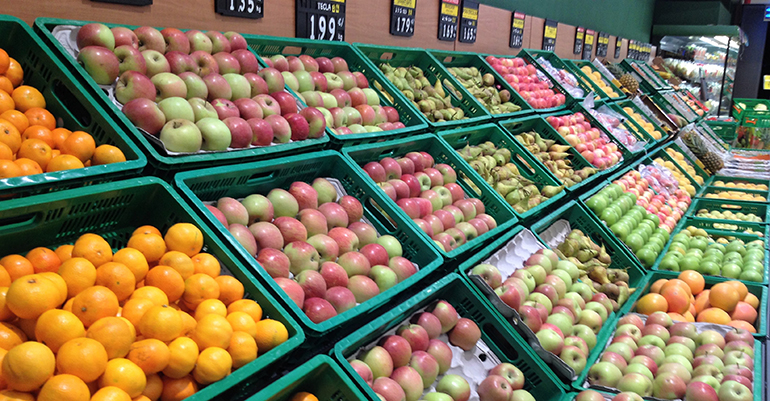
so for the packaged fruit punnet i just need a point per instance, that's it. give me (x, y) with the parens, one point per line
(133, 294)
(307, 226)
(444, 340)
(618, 128)
(568, 81)
(656, 356)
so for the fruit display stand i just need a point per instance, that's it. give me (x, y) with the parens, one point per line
(538, 124)
(724, 132)
(758, 209)
(577, 68)
(530, 168)
(77, 110)
(665, 105)
(649, 80)
(682, 108)
(688, 159)
(641, 130)
(651, 113)
(441, 152)
(533, 56)
(742, 105)
(500, 343)
(161, 163)
(396, 57)
(321, 376)
(114, 211)
(242, 180)
(267, 46)
(623, 125)
(662, 154)
(473, 60)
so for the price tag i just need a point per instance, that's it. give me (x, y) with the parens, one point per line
(631, 49)
(588, 48)
(402, 17)
(579, 35)
(602, 43)
(240, 8)
(127, 2)
(618, 46)
(517, 30)
(321, 19)
(469, 22)
(447, 20)
(549, 35)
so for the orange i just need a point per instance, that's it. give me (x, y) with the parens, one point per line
(41, 116)
(154, 294)
(241, 321)
(27, 97)
(752, 300)
(168, 280)
(677, 317)
(677, 298)
(17, 266)
(151, 355)
(185, 238)
(28, 167)
(110, 393)
(178, 389)
(677, 282)
(207, 264)
(31, 295)
(134, 261)
(188, 322)
(694, 280)
(714, 315)
(64, 252)
(198, 288)
(5, 278)
(43, 260)
(114, 333)
(740, 324)
(246, 305)
(63, 162)
(55, 327)
(303, 396)
(212, 331)
(10, 336)
(107, 154)
(230, 289)
(183, 355)
(6, 102)
(242, 348)
(5, 84)
(209, 306)
(95, 303)
(5, 152)
(94, 248)
(118, 278)
(146, 229)
(5, 61)
(85, 358)
(740, 287)
(270, 334)
(3, 384)
(9, 169)
(10, 395)
(59, 135)
(744, 311)
(14, 72)
(161, 322)
(79, 274)
(9, 135)
(152, 390)
(5, 313)
(213, 364)
(650, 303)
(17, 118)
(134, 309)
(724, 296)
(27, 326)
(27, 366)
(38, 132)
(124, 375)
(151, 246)
(79, 144)
(64, 387)
(180, 262)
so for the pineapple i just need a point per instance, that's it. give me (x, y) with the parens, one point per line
(629, 83)
(711, 161)
(622, 78)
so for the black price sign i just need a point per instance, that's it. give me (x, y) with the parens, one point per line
(588, 48)
(602, 44)
(618, 45)
(402, 17)
(128, 2)
(549, 35)
(321, 19)
(240, 8)
(631, 49)
(469, 21)
(517, 30)
(579, 35)
(447, 20)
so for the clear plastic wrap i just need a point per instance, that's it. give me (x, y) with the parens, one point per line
(568, 81)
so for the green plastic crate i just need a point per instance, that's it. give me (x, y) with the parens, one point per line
(666, 106)
(433, 71)
(619, 107)
(576, 66)
(723, 132)
(739, 111)
(267, 46)
(712, 190)
(441, 153)
(462, 59)
(531, 56)
(741, 180)
(637, 129)
(666, 157)
(260, 177)
(321, 376)
(699, 171)
(537, 173)
(741, 227)
(75, 109)
(650, 117)
(503, 342)
(736, 206)
(162, 165)
(537, 123)
(625, 150)
(115, 210)
(649, 80)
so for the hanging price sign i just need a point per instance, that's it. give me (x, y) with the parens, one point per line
(517, 30)
(602, 43)
(549, 35)
(239, 8)
(618, 46)
(402, 17)
(588, 48)
(469, 22)
(447, 20)
(321, 19)
(579, 35)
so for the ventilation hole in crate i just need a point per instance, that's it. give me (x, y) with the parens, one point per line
(53, 214)
(483, 357)
(337, 396)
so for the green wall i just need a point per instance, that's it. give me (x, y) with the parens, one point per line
(691, 13)
(630, 19)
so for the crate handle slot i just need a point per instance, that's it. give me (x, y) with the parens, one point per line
(501, 342)
(730, 206)
(15, 223)
(379, 214)
(291, 50)
(448, 59)
(71, 104)
(257, 178)
(523, 165)
(387, 56)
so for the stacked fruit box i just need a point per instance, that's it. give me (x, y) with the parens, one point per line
(592, 75)
(559, 73)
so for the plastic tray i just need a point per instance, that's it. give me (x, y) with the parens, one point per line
(160, 163)
(75, 108)
(441, 153)
(531, 56)
(736, 206)
(433, 70)
(501, 343)
(260, 177)
(267, 46)
(576, 66)
(461, 59)
(115, 210)
(458, 138)
(538, 124)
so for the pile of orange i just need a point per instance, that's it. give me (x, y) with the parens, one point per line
(153, 321)
(30, 142)
(685, 298)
